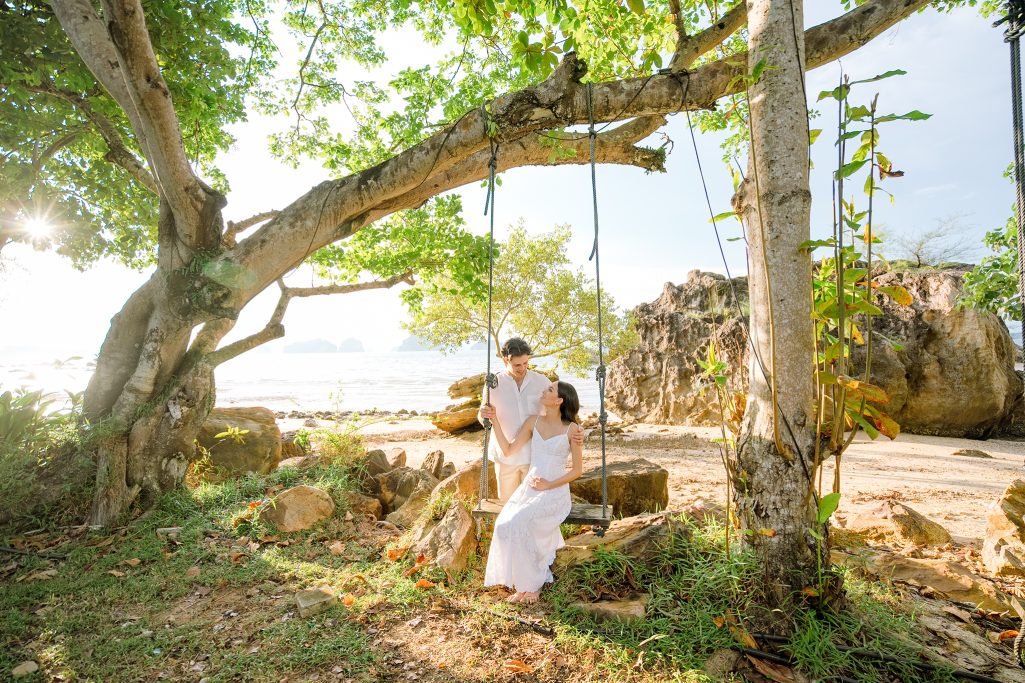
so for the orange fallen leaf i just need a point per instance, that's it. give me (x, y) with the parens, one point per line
(116, 573)
(425, 583)
(743, 637)
(1006, 635)
(517, 666)
(192, 571)
(348, 599)
(396, 553)
(133, 562)
(238, 558)
(255, 504)
(412, 570)
(719, 622)
(442, 665)
(767, 532)
(810, 592)
(421, 559)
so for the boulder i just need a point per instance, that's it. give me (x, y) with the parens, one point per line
(447, 470)
(895, 522)
(636, 537)
(299, 462)
(954, 580)
(623, 611)
(358, 504)
(465, 483)
(400, 483)
(1003, 549)
(451, 542)
(298, 508)
(413, 506)
(434, 463)
(634, 486)
(376, 462)
(458, 418)
(943, 345)
(921, 351)
(259, 450)
(397, 457)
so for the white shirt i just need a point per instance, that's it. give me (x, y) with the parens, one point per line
(514, 405)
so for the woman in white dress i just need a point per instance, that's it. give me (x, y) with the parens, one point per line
(527, 530)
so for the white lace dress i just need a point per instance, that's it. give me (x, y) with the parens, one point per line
(527, 530)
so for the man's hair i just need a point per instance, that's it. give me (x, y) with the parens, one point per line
(514, 347)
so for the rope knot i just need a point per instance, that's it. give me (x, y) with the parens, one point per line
(491, 381)
(599, 373)
(603, 419)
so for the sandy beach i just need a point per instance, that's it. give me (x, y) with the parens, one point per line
(920, 471)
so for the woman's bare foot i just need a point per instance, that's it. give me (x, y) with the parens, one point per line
(515, 597)
(528, 598)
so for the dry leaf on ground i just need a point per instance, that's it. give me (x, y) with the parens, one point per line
(743, 637)
(517, 666)
(133, 562)
(396, 553)
(425, 583)
(192, 571)
(114, 572)
(772, 671)
(348, 599)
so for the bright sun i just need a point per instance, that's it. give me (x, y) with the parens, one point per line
(38, 228)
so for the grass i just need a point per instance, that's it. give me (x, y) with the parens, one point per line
(133, 606)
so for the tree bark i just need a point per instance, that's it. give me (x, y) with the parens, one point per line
(773, 490)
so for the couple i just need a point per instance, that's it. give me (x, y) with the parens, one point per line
(535, 430)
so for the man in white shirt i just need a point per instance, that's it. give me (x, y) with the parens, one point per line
(517, 397)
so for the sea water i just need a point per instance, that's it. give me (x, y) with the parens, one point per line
(385, 380)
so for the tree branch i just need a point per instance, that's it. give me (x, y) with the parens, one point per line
(690, 48)
(117, 151)
(120, 55)
(406, 277)
(234, 228)
(454, 156)
(274, 329)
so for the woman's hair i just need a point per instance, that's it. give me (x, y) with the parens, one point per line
(570, 405)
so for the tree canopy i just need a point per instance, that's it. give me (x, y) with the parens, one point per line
(538, 297)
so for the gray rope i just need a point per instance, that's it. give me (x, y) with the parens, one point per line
(490, 381)
(600, 373)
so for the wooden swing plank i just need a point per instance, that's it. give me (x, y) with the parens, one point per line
(580, 513)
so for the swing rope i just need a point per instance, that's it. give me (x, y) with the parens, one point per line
(491, 380)
(600, 372)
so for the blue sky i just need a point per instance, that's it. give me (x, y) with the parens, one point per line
(654, 228)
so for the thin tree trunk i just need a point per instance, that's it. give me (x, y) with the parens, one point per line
(773, 492)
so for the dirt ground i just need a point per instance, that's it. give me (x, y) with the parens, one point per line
(921, 471)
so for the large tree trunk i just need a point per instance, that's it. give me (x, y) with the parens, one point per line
(773, 491)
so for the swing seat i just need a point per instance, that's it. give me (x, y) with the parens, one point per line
(584, 514)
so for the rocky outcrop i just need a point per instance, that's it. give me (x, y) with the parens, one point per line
(298, 508)
(948, 370)
(636, 537)
(661, 381)
(465, 483)
(358, 504)
(259, 450)
(1003, 549)
(399, 484)
(634, 487)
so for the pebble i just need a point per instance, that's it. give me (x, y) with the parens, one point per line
(24, 669)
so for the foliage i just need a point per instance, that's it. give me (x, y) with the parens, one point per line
(57, 163)
(537, 297)
(430, 241)
(845, 296)
(993, 284)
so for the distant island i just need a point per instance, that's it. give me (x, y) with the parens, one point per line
(411, 343)
(351, 346)
(311, 346)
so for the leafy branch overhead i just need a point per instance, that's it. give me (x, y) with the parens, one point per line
(536, 296)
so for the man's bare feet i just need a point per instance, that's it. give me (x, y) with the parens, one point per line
(515, 597)
(528, 598)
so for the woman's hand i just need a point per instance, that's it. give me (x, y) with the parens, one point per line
(539, 484)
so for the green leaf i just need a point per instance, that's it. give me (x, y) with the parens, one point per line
(636, 6)
(810, 245)
(849, 169)
(888, 74)
(827, 506)
(814, 135)
(723, 216)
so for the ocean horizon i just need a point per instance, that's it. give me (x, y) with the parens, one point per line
(307, 382)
